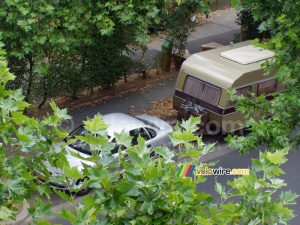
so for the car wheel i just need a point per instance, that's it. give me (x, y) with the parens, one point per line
(154, 155)
(85, 190)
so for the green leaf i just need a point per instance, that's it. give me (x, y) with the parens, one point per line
(128, 188)
(208, 148)
(60, 113)
(23, 138)
(73, 172)
(63, 195)
(121, 212)
(287, 197)
(141, 149)
(88, 201)
(28, 176)
(283, 210)
(135, 159)
(132, 203)
(185, 136)
(281, 18)
(200, 179)
(256, 221)
(5, 76)
(277, 182)
(191, 123)
(59, 132)
(276, 157)
(93, 140)
(144, 219)
(257, 165)
(230, 208)
(188, 195)
(14, 186)
(19, 117)
(164, 152)
(278, 171)
(40, 209)
(235, 3)
(96, 125)
(67, 215)
(17, 95)
(203, 221)
(9, 105)
(5, 213)
(151, 172)
(147, 207)
(105, 161)
(220, 190)
(134, 171)
(123, 139)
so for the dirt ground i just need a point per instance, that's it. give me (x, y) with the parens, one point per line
(135, 83)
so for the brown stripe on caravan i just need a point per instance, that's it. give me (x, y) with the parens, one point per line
(218, 110)
(197, 101)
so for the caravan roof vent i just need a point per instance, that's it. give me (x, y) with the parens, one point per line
(247, 54)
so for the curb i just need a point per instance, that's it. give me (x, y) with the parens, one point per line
(20, 215)
(24, 212)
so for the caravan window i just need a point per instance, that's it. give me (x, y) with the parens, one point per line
(242, 91)
(202, 90)
(267, 86)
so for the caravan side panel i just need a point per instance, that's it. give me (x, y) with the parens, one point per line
(232, 122)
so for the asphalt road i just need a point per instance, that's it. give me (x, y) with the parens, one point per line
(125, 103)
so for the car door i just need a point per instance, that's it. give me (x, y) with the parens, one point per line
(148, 133)
(152, 137)
(135, 133)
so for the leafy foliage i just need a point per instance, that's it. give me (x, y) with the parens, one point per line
(21, 138)
(86, 47)
(176, 20)
(59, 38)
(249, 27)
(259, 205)
(276, 122)
(279, 131)
(107, 60)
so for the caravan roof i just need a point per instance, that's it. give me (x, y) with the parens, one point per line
(223, 66)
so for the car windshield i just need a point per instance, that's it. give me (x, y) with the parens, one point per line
(79, 145)
(82, 146)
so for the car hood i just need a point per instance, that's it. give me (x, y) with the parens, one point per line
(159, 123)
(73, 160)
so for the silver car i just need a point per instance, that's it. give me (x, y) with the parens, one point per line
(153, 130)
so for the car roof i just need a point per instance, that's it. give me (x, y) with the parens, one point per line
(119, 121)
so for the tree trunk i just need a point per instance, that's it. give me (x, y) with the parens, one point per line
(45, 86)
(45, 93)
(144, 74)
(125, 77)
(30, 79)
